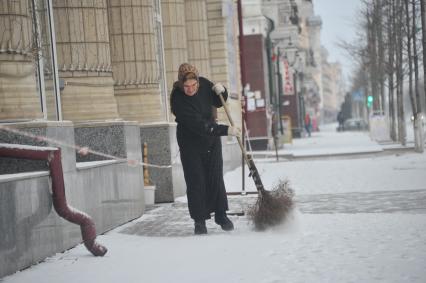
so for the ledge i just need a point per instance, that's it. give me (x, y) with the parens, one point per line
(98, 123)
(36, 124)
(95, 164)
(22, 176)
(158, 124)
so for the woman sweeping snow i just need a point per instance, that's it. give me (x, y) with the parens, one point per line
(198, 137)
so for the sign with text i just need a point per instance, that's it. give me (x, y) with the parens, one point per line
(287, 79)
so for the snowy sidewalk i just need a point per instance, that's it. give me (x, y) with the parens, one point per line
(330, 143)
(356, 220)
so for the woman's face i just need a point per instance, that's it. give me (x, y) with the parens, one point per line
(190, 87)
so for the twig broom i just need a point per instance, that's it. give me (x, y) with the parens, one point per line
(271, 207)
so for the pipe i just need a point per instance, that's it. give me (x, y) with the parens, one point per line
(243, 83)
(53, 157)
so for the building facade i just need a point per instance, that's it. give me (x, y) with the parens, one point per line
(333, 89)
(112, 59)
(97, 75)
(258, 107)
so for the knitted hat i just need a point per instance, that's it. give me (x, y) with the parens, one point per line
(185, 69)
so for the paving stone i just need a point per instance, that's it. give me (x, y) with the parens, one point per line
(172, 219)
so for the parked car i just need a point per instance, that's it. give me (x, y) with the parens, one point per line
(355, 124)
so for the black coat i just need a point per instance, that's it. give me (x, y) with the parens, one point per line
(198, 136)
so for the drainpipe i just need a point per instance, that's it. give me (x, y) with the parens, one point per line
(53, 157)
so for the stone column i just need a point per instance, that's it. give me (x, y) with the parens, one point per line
(217, 41)
(175, 44)
(84, 61)
(222, 19)
(19, 98)
(197, 36)
(134, 59)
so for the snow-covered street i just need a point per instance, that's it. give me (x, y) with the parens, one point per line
(358, 218)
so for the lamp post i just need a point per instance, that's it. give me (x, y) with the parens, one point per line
(279, 79)
(280, 90)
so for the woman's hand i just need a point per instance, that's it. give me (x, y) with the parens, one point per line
(218, 88)
(234, 131)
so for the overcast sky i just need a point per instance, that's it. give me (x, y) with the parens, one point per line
(339, 22)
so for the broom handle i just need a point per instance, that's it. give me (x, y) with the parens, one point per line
(249, 160)
(231, 121)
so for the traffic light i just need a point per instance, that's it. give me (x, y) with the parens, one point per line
(369, 101)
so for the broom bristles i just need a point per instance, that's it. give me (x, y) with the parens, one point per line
(272, 207)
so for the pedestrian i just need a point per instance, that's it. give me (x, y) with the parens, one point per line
(340, 120)
(198, 135)
(308, 124)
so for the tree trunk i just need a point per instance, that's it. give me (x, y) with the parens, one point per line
(372, 51)
(416, 58)
(409, 58)
(380, 63)
(400, 78)
(418, 121)
(391, 68)
(423, 18)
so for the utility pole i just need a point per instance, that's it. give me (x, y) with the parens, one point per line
(280, 90)
(243, 98)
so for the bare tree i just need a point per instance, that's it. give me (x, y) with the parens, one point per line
(409, 56)
(402, 132)
(423, 19)
(372, 54)
(379, 4)
(415, 56)
(390, 57)
(418, 123)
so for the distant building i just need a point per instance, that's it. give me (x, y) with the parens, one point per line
(296, 39)
(333, 88)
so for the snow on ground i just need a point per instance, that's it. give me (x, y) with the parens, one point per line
(317, 248)
(388, 173)
(311, 247)
(329, 141)
(393, 172)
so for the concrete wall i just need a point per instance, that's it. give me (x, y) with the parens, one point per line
(163, 150)
(231, 154)
(111, 192)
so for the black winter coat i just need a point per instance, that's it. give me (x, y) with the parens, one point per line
(198, 136)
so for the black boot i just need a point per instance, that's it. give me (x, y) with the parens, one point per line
(200, 227)
(222, 219)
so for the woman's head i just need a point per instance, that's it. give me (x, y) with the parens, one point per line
(188, 78)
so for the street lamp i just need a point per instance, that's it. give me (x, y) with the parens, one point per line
(280, 85)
